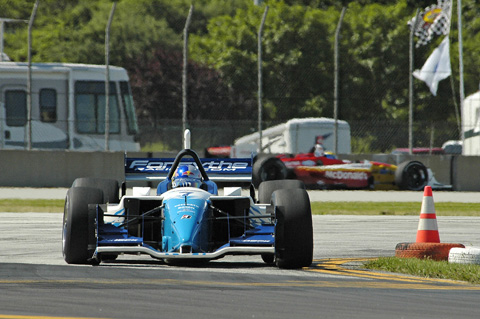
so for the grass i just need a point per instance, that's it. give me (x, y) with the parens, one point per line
(427, 268)
(393, 208)
(318, 208)
(32, 205)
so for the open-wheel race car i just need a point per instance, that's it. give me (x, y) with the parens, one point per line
(328, 172)
(187, 221)
(296, 150)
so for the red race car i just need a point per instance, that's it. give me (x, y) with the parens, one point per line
(328, 172)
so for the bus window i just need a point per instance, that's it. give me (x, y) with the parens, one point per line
(129, 108)
(90, 107)
(16, 107)
(85, 113)
(114, 115)
(48, 105)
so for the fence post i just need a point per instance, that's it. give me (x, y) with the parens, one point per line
(260, 80)
(184, 72)
(335, 84)
(28, 133)
(107, 77)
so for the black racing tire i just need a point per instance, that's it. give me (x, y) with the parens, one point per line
(267, 168)
(268, 258)
(77, 226)
(294, 229)
(411, 175)
(266, 189)
(109, 187)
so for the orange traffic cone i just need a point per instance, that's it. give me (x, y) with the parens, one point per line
(427, 226)
(428, 240)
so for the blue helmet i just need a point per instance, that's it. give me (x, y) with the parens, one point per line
(186, 176)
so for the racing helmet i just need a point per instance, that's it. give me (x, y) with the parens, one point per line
(186, 176)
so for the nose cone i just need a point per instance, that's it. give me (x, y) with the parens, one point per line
(185, 225)
(185, 221)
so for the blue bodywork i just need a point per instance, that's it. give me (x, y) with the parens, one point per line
(184, 222)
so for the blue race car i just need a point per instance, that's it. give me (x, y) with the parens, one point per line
(187, 221)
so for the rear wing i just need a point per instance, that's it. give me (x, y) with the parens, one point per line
(218, 170)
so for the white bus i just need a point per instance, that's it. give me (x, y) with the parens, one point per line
(68, 107)
(296, 136)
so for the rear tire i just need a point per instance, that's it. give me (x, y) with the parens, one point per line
(411, 175)
(109, 187)
(266, 189)
(267, 168)
(294, 230)
(78, 226)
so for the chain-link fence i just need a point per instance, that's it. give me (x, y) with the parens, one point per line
(222, 75)
(367, 136)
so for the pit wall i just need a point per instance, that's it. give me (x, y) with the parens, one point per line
(20, 168)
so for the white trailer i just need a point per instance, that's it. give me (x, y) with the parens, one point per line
(296, 136)
(68, 107)
(471, 124)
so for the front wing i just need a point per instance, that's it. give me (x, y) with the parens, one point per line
(113, 238)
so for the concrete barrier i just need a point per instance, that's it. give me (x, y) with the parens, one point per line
(21, 168)
(464, 172)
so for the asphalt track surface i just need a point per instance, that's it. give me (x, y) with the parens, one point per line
(36, 283)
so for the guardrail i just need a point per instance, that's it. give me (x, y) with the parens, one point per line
(36, 168)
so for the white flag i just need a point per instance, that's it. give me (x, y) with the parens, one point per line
(437, 67)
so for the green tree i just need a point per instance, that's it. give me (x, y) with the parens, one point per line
(157, 84)
(297, 53)
(76, 33)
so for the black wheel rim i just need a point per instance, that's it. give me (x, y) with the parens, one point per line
(416, 177)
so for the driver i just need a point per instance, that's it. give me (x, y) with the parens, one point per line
(319, 150)
(186, 176)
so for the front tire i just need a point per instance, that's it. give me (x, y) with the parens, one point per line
(109, 187)
(411, 175)
(268, 258)
(294, 229)
(78, 226)
(266, 189)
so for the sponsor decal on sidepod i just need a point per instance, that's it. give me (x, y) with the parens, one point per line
(346, 175)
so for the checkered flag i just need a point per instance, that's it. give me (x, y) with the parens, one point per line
(434, 20)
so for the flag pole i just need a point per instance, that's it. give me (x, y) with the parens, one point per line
(410, 89)
(460, 65)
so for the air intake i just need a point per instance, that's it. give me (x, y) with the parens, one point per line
(185, 249)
